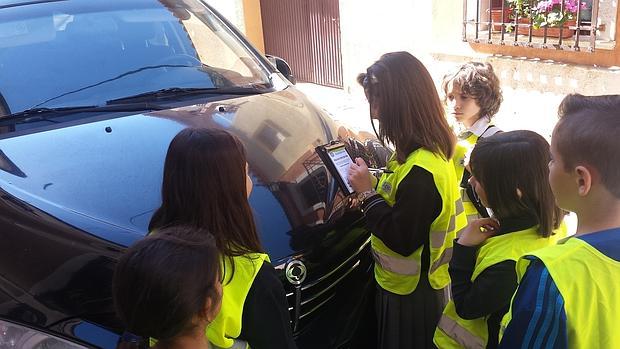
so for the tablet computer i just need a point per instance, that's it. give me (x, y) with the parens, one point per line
(338, 161)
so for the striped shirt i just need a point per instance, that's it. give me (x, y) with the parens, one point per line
(538, 316)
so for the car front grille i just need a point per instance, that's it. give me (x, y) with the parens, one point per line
(314, 294)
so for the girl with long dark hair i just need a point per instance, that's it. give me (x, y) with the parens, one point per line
(509, 174)
(415, 209)
(206, 185)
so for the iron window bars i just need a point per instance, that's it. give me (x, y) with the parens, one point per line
(509, 33)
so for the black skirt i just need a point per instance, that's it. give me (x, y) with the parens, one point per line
(407, 322)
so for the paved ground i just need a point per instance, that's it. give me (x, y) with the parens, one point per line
(349, 108)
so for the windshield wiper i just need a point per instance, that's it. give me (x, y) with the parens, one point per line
(37, 114)
(174, 92)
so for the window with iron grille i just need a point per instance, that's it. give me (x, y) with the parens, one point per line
(578, 25)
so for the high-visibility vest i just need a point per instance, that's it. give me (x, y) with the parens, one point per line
(399, 274)
(461, 153)
(224, 330)
(588, 282)
(456, 332)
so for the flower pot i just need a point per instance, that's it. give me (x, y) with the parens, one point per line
(496, 17)
(552, 32)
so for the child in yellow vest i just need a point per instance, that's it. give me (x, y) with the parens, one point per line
(206, 184)
(569, 296)
(415, 211)
(167, 286)
(509, 174)
(473, 97)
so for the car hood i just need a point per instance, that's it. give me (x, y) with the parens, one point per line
(103, 175)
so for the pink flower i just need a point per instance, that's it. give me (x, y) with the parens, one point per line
(545, 6)
(555, 6)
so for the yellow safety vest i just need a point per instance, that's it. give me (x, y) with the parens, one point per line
(226, 327)
(398, 274)
(588, 282)
(455, 332)
(461, 152)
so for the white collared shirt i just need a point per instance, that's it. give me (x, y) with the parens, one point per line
(479, 126)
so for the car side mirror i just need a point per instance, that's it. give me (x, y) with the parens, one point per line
(282, 67)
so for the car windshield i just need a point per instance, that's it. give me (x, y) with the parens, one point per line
(56, 54)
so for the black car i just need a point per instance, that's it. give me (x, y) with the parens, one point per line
(91, 93)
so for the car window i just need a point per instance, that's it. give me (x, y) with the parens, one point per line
(82, 52)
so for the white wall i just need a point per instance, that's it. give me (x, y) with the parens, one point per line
(232, 10)
(607, 14)
(370, 28)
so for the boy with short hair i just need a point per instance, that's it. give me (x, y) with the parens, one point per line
(570, 293)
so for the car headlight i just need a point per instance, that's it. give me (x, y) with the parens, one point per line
(17, 336)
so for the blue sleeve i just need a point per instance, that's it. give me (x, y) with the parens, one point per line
(538, 317)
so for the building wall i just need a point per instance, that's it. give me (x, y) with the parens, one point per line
(253, 23)
(369, 30)
(607, 11)
(232, 10)
(425, 27)
(534, 80)
(432, 31)
(245, 15)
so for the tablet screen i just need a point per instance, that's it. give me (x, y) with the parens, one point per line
(342, 161)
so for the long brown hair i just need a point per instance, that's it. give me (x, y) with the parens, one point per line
(204, 186)
(410, 110)
(513, 160)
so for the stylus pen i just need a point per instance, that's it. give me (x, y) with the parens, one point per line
(382, 170)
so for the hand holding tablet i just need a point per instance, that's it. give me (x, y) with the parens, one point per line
(338, 161)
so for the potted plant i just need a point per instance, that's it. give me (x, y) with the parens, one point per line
(500, 14)
(549, 14)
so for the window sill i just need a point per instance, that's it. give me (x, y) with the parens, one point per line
(602, 57)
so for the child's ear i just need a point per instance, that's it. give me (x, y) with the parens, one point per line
(213, 304)
(584, 180)
(211, 309)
